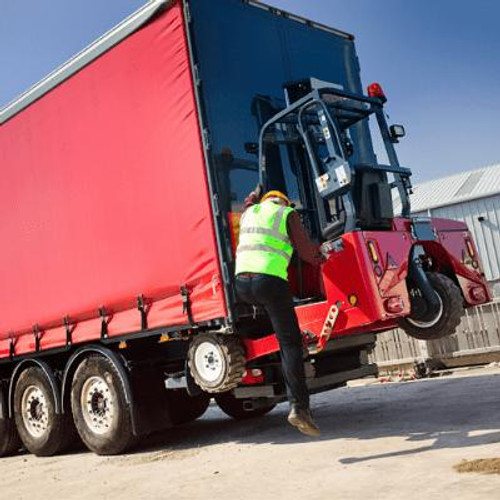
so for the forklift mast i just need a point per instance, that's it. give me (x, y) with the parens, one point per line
(317, 120)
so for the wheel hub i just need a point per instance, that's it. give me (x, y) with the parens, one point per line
(421, 317)
(35, 412)
(97, 405)
(209, 361)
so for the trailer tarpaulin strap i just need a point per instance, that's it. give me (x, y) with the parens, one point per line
(95, 178)
(186, 304)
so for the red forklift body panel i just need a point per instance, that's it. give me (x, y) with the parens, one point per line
(104, 198)
(365, 278)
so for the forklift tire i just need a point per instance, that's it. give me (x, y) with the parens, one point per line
(236, 409)
(183, 408)
(42, 431)
(100, 410)
(216, 362)
(448, 318)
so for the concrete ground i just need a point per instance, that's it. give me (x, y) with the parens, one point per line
(380, 441)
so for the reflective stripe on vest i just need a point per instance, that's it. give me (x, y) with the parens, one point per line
(264, 246)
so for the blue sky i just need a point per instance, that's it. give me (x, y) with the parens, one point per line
(438, 61)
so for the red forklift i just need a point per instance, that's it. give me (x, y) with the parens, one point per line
(382, 271)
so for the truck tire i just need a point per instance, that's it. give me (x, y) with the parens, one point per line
(9, 437)
(235, 408)
(42, 431)
(101, 413)
(445, 322)
(216, 362)
(183, 408)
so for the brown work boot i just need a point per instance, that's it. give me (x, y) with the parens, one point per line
(302, 419)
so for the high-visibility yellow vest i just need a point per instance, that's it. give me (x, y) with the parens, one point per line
(264, 246)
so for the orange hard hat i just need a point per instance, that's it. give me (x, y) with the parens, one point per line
(276, 194)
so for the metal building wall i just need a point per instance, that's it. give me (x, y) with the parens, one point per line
(482, 216)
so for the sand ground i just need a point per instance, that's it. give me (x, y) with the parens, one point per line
(380, 441)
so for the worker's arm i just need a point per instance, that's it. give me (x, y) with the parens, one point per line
(305, 247)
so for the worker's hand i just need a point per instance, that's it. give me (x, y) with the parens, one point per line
(325, 250)
(251, 199)
(254, 197)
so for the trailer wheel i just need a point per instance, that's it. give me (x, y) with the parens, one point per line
(10, 441)
(216, 362)
(9, 437)
(445, 321)
(242, 409)
(42, 431)
(100, 410)
(183, 408)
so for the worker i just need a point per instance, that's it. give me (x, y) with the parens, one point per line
(269, 233)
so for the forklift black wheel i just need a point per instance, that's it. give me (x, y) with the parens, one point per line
(183, 408)
(243, 409)
(216, 362)
(443, 323)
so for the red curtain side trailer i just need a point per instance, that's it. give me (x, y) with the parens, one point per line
(108, 232)
(105, 200)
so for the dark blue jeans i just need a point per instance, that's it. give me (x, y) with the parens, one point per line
(275, 296)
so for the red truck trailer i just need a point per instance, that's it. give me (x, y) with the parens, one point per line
(123, 179)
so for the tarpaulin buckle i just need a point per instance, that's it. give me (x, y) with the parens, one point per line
(36, 334)
(186, 304)
(12, 346)
(141, 305)
(104, 323)
(69, 330)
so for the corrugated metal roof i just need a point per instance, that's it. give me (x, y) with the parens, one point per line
(465, 186)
